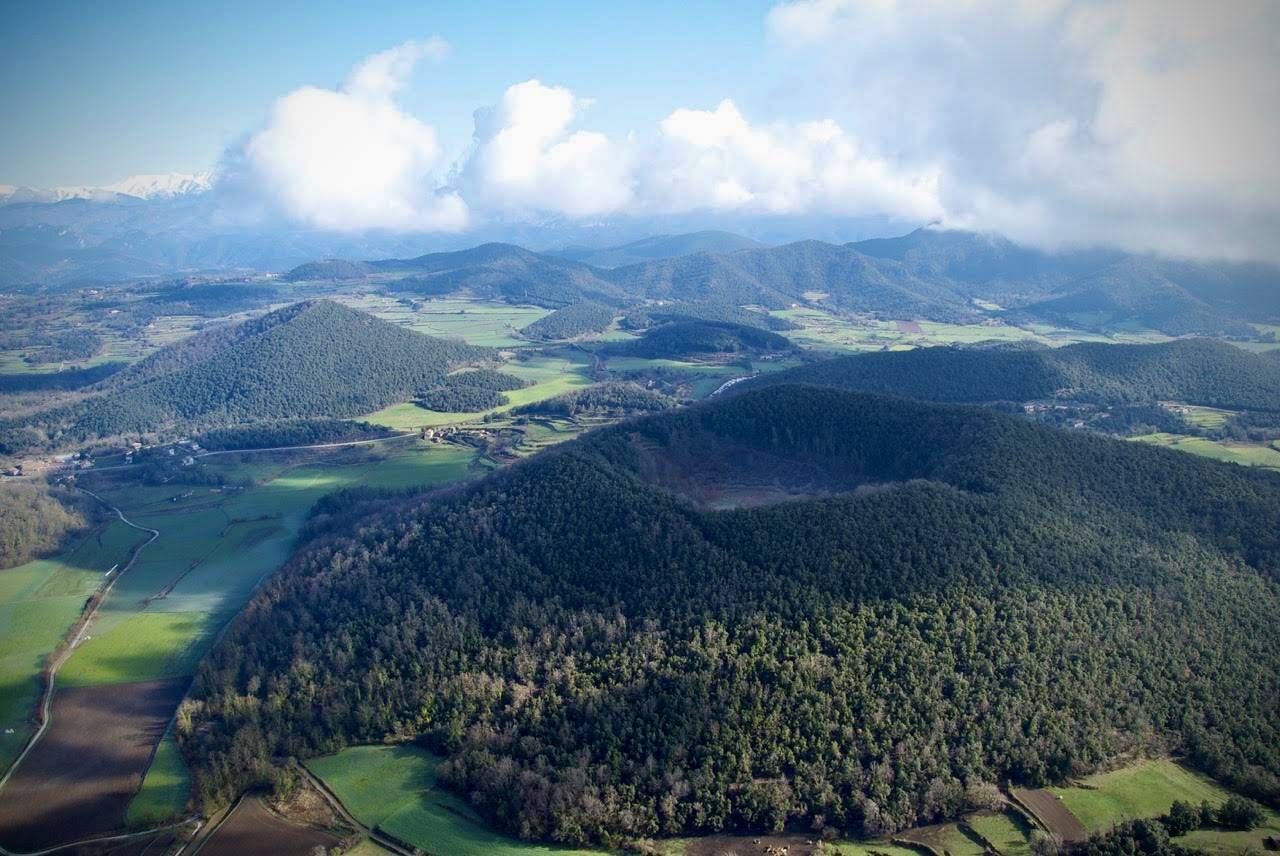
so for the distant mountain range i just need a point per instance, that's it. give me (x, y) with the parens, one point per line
(1194, 371)
(159, 186)
(657, 247)
(163, 225)
(929, 274)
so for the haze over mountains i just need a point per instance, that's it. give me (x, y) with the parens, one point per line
(928, 274)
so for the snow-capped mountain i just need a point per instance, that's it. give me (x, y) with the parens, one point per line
(160, 186)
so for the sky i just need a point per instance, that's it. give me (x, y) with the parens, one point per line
(1145, 124)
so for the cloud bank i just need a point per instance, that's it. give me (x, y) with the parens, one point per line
(1147, 124)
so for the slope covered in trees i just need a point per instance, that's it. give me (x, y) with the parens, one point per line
(568, 322)
(657, 247)
(640, 317)
(776, 277)
(311, 359)
(502, 272)
(1196, 371)
(988, 599)
(35, 519)
(681, 339)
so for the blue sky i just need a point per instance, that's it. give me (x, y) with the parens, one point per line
(98, 91)
(1144, 124)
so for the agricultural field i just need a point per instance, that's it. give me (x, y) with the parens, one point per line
(550, 374)
(39, 601)
(1147, 789)
(1247, 454)
(1008, 832)
(824, 331)
(215, 545)
(252, 829)
(393, 789)
(81, 776)
(476, 322)
(948, 838)
(166, 788)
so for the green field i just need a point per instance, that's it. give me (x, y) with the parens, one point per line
(824, 331)
(1208, 418)
(1247, 454)
(39, 601)
(549, 375)
(1007, 832)
(394, 789)
(476, 322)
(166, 788)
(1146, 789)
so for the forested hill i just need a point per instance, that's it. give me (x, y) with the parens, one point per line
(803, 271)
(316, 358)
(503, 272)
(896, 603)
(1195, 371)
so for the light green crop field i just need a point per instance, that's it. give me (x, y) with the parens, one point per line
(166, 789)
(868, 848)
(476, 322)
(1204, 417)
(39, 601)
(1227, 842)
(1145, 789)
(824, 331)
(394, 789)
(1006, 831)
(1246, 454)
(945, 838)
(550, 375)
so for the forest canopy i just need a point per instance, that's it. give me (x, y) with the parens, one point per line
(963, 598)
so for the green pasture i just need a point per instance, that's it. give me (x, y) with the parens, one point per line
(1246, 454)
(1146, 789)
(476, 322)
(166, 788)
(549, 375)
(394, 789)
(1007, 832)
(39, 601)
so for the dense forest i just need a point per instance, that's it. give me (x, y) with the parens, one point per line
(1195, 371)
(576, 319)
(288, 432)
(616, 398)
(964, 598)
(469, 391)
(311, 359)
(640, 317)
(35, 519)
(681, 339)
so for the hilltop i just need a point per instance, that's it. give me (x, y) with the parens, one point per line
(799, 607)
(1195, 371)
(311, 359)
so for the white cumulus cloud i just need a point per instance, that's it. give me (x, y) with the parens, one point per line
(716, 159)
(350, 159)
(528, 158)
